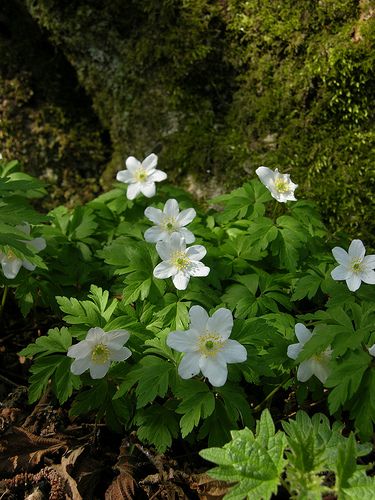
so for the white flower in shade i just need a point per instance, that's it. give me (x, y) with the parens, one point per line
(169, 221)
(318, 365)
(11, 264)
(354, 265)
(371, 350)
(207, 345)
(279, 185)
(180, 262)
(141, 177)
(96, 352)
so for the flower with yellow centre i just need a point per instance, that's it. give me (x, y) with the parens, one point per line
(169, 221)
(141, 177)
(179, 262)
(97, 351)
(11, 264)
(207, 346)
(355, 266)
(279, 185)
(317, 365)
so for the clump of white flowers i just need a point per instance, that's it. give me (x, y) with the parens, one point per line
(279, 185)
(97, 351)
(207, 345)
(169, 221)
(179, 262)
(11, 264)
(354, 266)
(141, 177)
(317, 365)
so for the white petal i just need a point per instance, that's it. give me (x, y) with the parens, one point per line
(119, 354)
(357, 249)
(164, 249)
(198, 318)
(321, 370)
(133, 190)
(341, 255)
(294, 350)
(157, 176)
(215, 369)
(99, 370)
(187, 235)
(368, 277)
(95, 334)
(353, 281)
(303, 334)
(11, 267)
(198, 269)
(305, 370)
(150, 162)
(189, 366)
(196, 252)
(171, 208)
(221, 322)
(266, 175)
(80, 365)
(116, 338)
(148, 188)
(27, 265)
(186, 216)
(371, 350)
(164, 270)
(38, 243)
(183, 341)
(25, 228)
(155, 233)
(340, 273)
(154, 215)
(234, 352)
(177, 243)
(80, 350)
(124, 176)
(181, 280)
(132, 164)
(369, 261)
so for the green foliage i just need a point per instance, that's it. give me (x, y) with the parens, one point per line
(307, 452)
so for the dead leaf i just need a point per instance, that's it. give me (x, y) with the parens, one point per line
(123, 486)
(208, 488)
(21, 449)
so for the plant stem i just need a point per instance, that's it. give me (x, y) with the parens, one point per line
(275, 207)
(270, 395)
(4, 297)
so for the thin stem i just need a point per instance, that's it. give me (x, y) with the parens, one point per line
(275, 207)
(270, 395)
(4, 297)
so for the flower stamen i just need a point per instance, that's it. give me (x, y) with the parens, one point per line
(357, 266)
(100, 354)
(180, 260)
(140, 175)
(210, 344)
(281, 185)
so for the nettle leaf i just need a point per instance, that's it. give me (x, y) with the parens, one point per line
(157, 425)
(256, 462)
(56, 340)
(346, 463)
(198, 402)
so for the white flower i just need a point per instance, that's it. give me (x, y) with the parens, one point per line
(180, 262)
(141, 177)
(98, 350)
(207, 346)
(279, 185)
(317, 365)
(11, 264)
(169, 221)
(371, 350)
(354, 266)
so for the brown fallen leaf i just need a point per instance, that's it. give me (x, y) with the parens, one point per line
(123, 486)
(208, 488)
(21, 449)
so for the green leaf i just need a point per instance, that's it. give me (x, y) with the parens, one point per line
(346, 462)
(157, 425)
(56, 340)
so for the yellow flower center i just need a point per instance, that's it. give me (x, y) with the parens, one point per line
(140, 175)
(180, 260)
(281, 185)
(10, 255)
(210, 344)
(169, 224)
(100, 354)
(323, 356)
(356, 265)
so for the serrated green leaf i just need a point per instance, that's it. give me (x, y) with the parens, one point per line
(56, 340)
